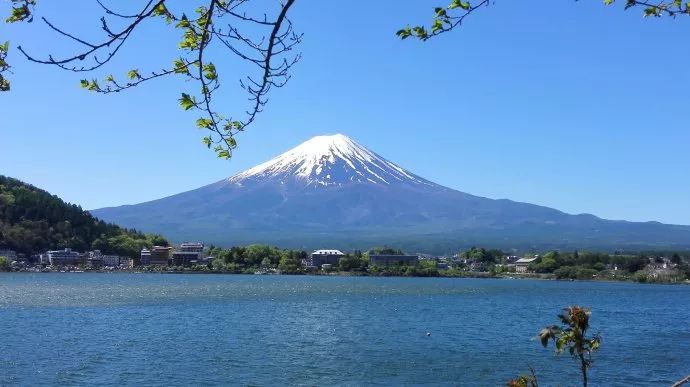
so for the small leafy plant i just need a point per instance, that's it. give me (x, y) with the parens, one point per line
(572, 336)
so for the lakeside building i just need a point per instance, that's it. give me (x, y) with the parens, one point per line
(94, 259)
(188, 254)
(160, 255)
(145, 257)
(522, 264)
(324, 257)
(393, 260)
(111, 260)
(43, 259)
(94, 262)
(64, 257)
(195, 247)
(95, 254)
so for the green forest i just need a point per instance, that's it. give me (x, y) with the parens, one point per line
(33, 221)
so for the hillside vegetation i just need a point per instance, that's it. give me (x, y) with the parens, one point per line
(32, 220)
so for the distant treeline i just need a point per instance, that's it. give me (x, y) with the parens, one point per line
(564, 265)
(239, 259)
(33, 221)
(586, 265)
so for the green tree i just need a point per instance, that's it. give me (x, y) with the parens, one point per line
(525, 380)
(426, 268)
(290, 262)
(264, 255)
(572, 336)
(4, 264)
(352, 262)
(547, 263)
(637, 263)
(32, 220)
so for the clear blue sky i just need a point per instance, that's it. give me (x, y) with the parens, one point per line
(567, 104)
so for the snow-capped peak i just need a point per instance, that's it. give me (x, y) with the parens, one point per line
(331, 160)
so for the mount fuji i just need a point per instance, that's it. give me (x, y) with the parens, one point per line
(332, 191)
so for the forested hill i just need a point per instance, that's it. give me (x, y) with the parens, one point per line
(32, 221)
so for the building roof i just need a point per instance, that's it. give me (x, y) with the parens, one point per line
(526, 260)
(328, 252)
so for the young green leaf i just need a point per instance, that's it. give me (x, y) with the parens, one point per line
(186, 101)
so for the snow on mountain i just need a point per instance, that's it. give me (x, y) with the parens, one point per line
(330, 161)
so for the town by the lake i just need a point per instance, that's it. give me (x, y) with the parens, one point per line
(476, 262)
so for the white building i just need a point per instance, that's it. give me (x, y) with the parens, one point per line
(522, 264)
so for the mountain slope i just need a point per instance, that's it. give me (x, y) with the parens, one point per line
(332, 190)
(33, 221)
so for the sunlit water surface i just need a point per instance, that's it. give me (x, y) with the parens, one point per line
(143, 329)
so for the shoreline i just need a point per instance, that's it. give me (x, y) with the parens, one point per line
(472, 275)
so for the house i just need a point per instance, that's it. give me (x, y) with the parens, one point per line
(321, 257)
(522, 264)
(393, 260)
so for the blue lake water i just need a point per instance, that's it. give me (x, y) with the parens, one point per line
(143, 329)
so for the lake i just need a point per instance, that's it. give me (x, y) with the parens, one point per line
(166, 329)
